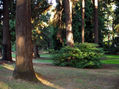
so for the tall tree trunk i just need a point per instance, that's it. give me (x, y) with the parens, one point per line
(24, 48)
(68, 16)
(0, 52)
(108, 39)
(83, 18)
(36, 53)
(96, 21)
(6, 33)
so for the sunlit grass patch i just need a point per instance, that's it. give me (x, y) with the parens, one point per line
(112, 56)
(46, 55)
(17, 84)
(7, 66)
(110, 61)
(43, 61)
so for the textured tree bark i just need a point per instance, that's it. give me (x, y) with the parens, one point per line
(24, 48)
(36, 53)
(96, 21)
(68, 16)
(0, 52)
(6, 33)
(83, 18)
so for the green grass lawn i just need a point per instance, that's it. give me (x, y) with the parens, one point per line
(46, 55)
(112, 56)
(43, 61)
(41, 55)
(45, 58)
(111, 59)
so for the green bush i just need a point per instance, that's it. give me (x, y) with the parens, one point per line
(89, 47)
(81, 56)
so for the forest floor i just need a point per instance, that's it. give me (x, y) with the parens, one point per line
(54, 77)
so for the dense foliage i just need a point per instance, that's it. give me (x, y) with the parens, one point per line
(46, 33)
(81, 56)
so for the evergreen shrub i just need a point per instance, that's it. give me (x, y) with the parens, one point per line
(80, 56)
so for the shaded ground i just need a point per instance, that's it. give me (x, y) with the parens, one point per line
(73, 78)
(54, 77)
(68, 78)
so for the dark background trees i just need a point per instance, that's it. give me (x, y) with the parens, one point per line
(39, 15)
(6, 32)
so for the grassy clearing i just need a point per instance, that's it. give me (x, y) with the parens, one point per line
(64, 77)
(46, 55)
(7, 82)
(41, 55)
(43, 61)
(112, 56)
(111, 59)
(48, 59)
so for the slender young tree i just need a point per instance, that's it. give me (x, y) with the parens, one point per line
(6, 33)
(68, 16)
(95, 21)
(83, 20)
(35, 51)
(24, 48)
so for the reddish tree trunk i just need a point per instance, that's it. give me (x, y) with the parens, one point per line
(6, 33)
(96, 21)
(83, 18)
(24, 49)
(36, 53)
(68, 16)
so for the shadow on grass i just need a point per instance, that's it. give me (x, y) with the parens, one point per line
(38, 76)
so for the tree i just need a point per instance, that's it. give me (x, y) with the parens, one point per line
(35, 51)
(116, 12)
(68, 16)
(40, 23)
(6, 33)
(59, 35)
(1, 10)
(83, 18)
(24, 49)
(96, 21)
